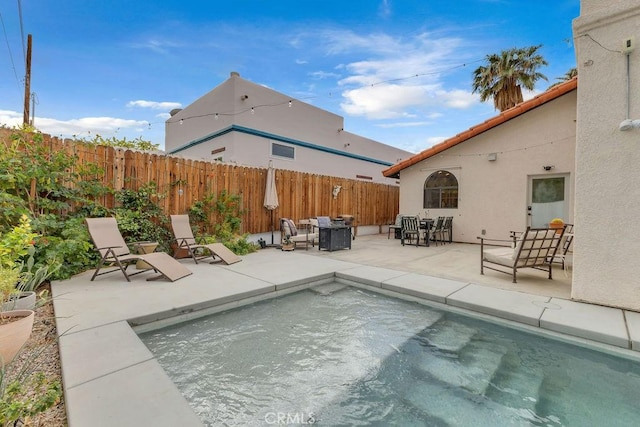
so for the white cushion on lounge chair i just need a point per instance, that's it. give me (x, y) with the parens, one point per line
(535, 248)
(502, 256)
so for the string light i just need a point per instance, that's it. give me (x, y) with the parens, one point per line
(330, 94)
(555, 141)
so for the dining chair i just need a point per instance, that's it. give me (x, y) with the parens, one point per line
(410, 228)
(447, 229)
(436, 230)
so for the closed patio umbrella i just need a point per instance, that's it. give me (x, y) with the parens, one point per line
(271, 194)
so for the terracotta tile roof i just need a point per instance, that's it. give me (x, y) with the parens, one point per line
(551, 94)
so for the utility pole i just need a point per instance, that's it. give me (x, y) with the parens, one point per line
(33, 109)
(27, 83)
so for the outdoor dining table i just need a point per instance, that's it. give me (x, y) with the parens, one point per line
(426, 224)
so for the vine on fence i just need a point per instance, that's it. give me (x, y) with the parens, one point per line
(57, 192)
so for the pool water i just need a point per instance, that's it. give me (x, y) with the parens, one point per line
(338, 355)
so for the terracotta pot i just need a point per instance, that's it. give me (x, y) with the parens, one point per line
(15, 333)
(179, 253)
(557, 225)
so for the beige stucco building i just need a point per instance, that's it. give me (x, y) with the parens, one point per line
(586, 138)
(607, 248)
(248, 124)
(514, 170)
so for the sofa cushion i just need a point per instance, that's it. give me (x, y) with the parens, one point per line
(289, 228)
(501, 256)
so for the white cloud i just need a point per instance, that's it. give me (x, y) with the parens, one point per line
(387, 101)
(10, 118)
(321, 75)
(384, 9)
(301, 61)
(158, 46)
(431, 141)
(402, 125)
(154, 105)
(458, 98)
(94, 125)
(400, 77)
(528, 94)
(82, 126)
(383, 101)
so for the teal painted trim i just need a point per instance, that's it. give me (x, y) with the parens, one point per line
(201, 140)
(273, 137)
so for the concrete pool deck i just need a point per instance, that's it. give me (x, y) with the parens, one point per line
(111, 378)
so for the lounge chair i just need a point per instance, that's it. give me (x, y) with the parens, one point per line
(187, 241)
(561, 256)
(535, 248)
(114, 252)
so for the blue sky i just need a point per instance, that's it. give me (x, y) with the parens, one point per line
(398, 71)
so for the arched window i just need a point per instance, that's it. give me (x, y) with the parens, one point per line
(441, 191)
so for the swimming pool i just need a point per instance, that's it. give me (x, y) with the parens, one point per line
(335, 355)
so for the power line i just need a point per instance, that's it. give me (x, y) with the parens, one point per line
(600, 44)
(444, 70)
(13, 65)
(24, 50)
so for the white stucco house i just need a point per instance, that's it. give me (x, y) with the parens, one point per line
(249, 124)
(584, 137)
(514, 170)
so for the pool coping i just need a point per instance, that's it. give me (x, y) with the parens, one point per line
(128, 387)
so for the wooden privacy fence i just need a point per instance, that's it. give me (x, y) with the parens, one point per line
(183, 182)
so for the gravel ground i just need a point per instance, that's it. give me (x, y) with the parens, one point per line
(44, 338)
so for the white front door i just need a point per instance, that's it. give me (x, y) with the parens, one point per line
(548, 199)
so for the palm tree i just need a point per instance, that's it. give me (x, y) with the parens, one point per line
(566, 77)
(505, 74)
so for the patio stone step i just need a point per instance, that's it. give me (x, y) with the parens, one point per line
(457, 406)
(472, 369)
(449, 336)
(328, 289)
(517, 385)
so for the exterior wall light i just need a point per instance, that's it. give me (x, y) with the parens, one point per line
(628, 124)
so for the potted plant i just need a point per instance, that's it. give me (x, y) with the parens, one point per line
(288, 244)
(556, 223)
(15, 325)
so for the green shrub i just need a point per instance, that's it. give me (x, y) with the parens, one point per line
(226, 209)
(140, 218)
